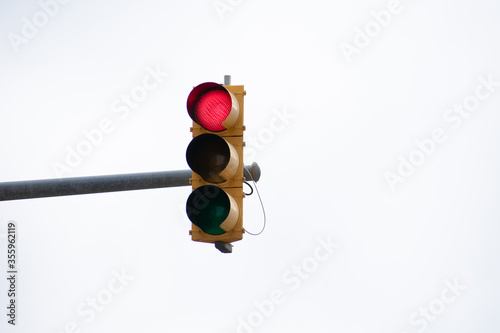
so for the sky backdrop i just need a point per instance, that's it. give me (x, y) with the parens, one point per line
(376, 126)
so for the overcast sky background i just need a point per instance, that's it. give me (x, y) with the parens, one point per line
(334, 115)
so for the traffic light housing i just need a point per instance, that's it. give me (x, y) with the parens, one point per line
(215, 155)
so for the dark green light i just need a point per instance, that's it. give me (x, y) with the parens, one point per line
(207, 207)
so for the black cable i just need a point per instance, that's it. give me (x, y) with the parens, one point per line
(250, 188)
(262, 205)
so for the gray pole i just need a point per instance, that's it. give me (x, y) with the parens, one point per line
(99, 184)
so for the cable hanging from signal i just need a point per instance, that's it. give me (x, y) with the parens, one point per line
(261, 204)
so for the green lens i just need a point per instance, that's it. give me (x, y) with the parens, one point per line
(207, 207)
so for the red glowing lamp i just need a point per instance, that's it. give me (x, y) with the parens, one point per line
(213, 107)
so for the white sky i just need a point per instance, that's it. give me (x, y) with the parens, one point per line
(326, 128)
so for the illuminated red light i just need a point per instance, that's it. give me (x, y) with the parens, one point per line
(212, 109)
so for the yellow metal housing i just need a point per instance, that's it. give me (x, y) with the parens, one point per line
(233, 186)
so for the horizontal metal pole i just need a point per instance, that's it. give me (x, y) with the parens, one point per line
(101, 184)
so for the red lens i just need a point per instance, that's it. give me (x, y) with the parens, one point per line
(212, 109)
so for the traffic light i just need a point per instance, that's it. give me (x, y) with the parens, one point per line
(215, 155)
